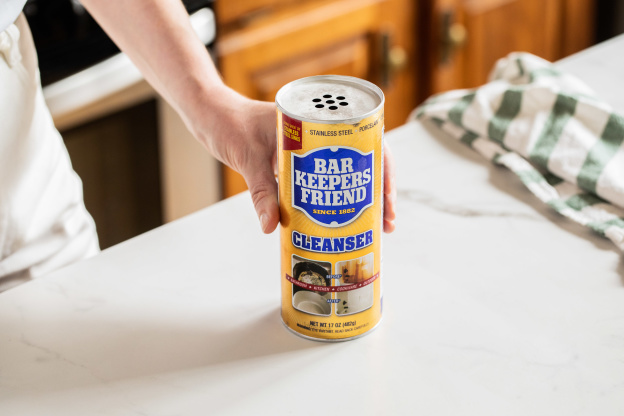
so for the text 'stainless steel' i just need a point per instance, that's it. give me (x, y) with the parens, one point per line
(330, 158)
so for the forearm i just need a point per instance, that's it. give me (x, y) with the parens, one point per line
(158, 38)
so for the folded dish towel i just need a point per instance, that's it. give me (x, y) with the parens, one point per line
(547, 127)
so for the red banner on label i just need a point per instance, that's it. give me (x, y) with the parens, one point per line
(331, 288)
(291, 133)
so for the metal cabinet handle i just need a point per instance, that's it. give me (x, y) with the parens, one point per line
(454, 36)
(394, 59)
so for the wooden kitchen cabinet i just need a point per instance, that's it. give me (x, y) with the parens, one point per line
(466, 37)
(265, 44)
(410, 48)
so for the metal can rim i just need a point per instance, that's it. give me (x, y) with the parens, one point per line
(374, 88)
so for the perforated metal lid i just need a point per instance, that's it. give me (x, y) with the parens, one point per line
(329, 99)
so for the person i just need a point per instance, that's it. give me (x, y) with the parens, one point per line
(43, 222)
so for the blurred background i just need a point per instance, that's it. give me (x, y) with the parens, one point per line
(140, 166)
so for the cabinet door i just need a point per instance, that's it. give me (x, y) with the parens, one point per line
(369, 39)
(351, 57)
(468, 36)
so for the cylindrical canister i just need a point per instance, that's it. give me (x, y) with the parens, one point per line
(330, 158)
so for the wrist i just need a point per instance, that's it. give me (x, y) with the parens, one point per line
(206, 104)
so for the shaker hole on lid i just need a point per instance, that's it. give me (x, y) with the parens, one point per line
(340, 97)
(316, 100)
(330, 101)
(344, 103)
(333, 107)
(327, 96)
(319, 106)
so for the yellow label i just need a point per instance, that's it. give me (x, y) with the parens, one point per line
(331, 196)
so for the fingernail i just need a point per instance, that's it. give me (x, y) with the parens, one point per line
(263, 221)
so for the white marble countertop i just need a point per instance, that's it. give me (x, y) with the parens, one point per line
(494, 305)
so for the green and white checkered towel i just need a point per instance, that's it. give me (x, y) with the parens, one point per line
(547, 127)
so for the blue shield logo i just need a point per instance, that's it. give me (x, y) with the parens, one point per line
(332, 185)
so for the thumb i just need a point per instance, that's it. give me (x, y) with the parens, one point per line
(263, 189)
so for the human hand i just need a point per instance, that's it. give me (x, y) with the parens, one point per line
(241, 133)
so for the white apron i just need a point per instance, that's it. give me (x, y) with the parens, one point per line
(43, 222)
